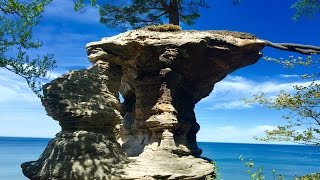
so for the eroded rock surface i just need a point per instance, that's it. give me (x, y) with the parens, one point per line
(86, 104)
(78, 155)
(166, 74)
(161, 76)
(86, 99)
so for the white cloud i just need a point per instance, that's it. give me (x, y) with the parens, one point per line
(229, 93)
(232, 133)
(289, 75)
(13, 87)
(64, 10)
(21, 112)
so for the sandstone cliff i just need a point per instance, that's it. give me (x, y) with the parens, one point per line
(152, 134)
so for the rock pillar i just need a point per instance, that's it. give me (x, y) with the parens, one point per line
(172, 120)
(87, 106)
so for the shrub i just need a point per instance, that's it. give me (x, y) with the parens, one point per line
(164, 28)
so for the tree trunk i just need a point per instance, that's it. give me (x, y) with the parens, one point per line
(174, 12)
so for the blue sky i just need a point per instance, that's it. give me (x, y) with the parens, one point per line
(223, 116)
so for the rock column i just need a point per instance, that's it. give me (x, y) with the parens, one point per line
(172, 122)
(87, 106)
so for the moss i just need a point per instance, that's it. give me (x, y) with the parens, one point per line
(164, 28)
(314, 176)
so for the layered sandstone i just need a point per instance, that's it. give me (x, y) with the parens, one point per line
(86, 104)
(161, 76)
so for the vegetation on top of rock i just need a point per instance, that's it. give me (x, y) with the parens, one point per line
(164, 28)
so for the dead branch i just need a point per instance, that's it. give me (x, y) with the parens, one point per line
(299, 48)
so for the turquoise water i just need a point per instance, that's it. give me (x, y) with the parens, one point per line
(288, 160)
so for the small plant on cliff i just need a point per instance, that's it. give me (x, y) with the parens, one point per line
(164, 28)
(216, 170)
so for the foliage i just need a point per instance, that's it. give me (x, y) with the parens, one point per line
(80, 4)
(303, 120)
(306, 8)
(216, 169)
(164, 28)
(17, 21)
(139, 13)
(257, 174)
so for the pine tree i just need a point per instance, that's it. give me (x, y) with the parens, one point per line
(138, 13)
(306, 8)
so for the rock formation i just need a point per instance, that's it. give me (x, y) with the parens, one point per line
(86, 104)
(152, 135)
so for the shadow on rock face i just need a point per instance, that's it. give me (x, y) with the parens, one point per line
(78, 155)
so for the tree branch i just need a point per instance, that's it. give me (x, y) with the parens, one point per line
(157, 8)
(299, 48)
(154, 18)
(4, 10)
(164, 5)
(311, 115)
(16, 72)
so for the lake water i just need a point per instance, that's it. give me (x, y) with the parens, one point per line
(288, 160)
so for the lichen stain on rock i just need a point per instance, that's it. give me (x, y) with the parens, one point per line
(152, 134)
